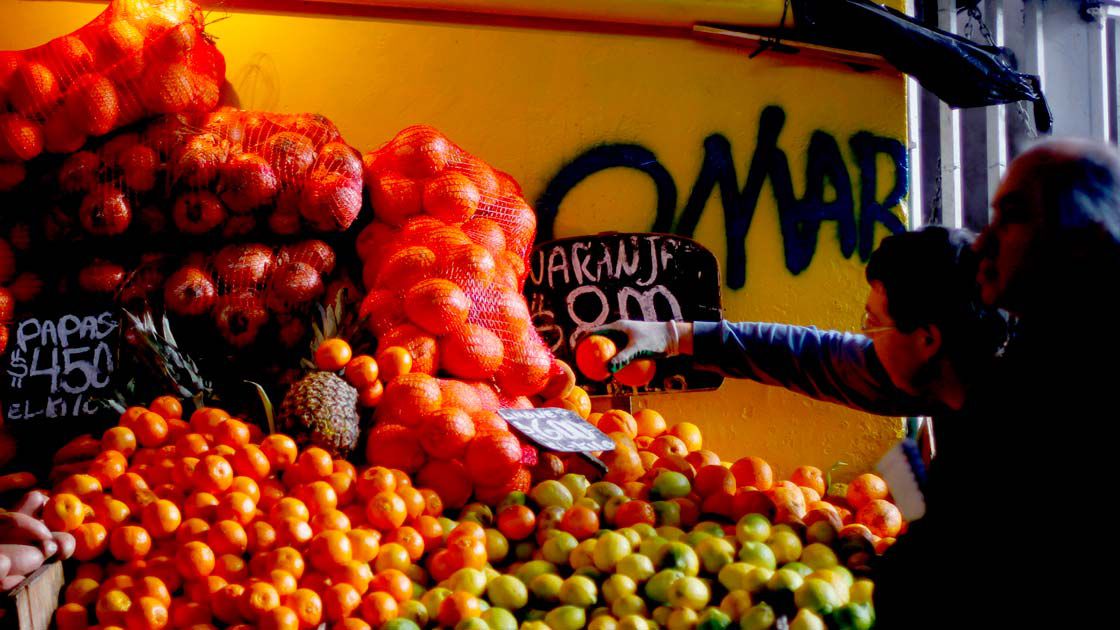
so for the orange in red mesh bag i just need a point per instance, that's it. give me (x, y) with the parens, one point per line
(224, 174)
(444, 260)
(137, 59)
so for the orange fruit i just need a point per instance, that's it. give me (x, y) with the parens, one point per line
(120, 439)
(364, 544)
(457, 607)
(370, 396)
(81, 591)
(471, 352)
(332, 355)
(227, 537)
(111, 607)
(293, 531)
(246, 486)
(634, 512)
(258, 599)
(200, 505)
(192, 529)
(206, 419)
(330, 549)
(251, 461)
(881, 517)
(392, 556)
(689, 434)
(330, 520)
(866, 488)
(281, 451)
(150, 429)
(261, 536)
(213, 474)
(437, 305)
(161, 518)
(810, 477)
(580, 521)
(316, 462)
(445, 434)
(168, 407)
(701, 458)
(362, 371)
(386, 511)
(150, 586)
(318, 496)
(236, 506)
(129, 543)
(374, 480)
(637, 373)
(289, 507)
(192, 445)
(64, 512)
(393, 582)
(357, 574)
(71, 616)
(409, 538)
(287, 559)
(279, 618)
(753, 471)
(617, 420)
(393, 362)
(226, 603)
(580, 401)
(592, 355)
(186, 614)
(231, 568)
(714, 478)
(409, 398)
(340, 601)
(195, 560)
(91, 540)
(668, 445)
(650, 423)
(414, 501)
(307, 605)
(233, 433)
(378, 608)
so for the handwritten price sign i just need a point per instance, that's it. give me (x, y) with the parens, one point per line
(558, 429)
(58, 366)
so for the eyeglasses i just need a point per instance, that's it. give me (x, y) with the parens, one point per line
(866, 328)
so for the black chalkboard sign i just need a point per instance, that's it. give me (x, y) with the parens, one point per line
(580, 283)
(559, 430)
(59, 366)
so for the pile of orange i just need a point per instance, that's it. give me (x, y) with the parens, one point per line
(646, 445)
(444, 263)
(181, 522)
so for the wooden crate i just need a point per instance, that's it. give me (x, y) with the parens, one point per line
(31, 605)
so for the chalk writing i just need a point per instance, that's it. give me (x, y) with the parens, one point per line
(58, 366)
(828, 194)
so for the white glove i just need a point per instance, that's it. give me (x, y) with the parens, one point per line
(646, 340)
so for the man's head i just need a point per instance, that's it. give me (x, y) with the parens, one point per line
(924, 311)
(1055, 222)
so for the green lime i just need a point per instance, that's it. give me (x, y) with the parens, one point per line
(651, 545)
(807, 620)
(758, 554)
(689, 592)
(472, 581)
(508, 592)
(610, 508)
(546, 588)
(658, 586)
(400, 623)
(817, 595)
(514, 498)
(633, 622)
(478, 513)
(632, 535)
(757, 580)
(669, 484)
(566, 618)
(414, 611)
(786, 546)
(472, 623)
(661, 615)
(713, 619)
(785, 580)
(694, 538)
(558, 547)
(861, 591)
(590, 504)
(800, 567)
(433, 598)
(618, 585)
(601, 491)
(819, 556)
(584, 553)
(500, 619)
(759, 617)
(577, 485)
(667, 512)
(610, 548)
(497, 546)
(671, 533)
(628, 605)
(821, 532)
(636, 566)
(532, 569)
(853, 617)
(733, 576)
(603, 622)
(715, 553)
(677, 555)
(578, 591)
(552, 493)
(753, 528)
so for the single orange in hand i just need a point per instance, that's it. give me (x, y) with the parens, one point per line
(592, 355)
(638, 373)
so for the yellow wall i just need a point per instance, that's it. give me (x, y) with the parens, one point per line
(530, 99)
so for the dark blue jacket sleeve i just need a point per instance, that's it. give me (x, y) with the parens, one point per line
(826, 365)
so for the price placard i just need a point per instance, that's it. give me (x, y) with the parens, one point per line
(559, 430)
(57, 367)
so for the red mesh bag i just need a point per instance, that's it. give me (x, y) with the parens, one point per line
(444, 262)
(137, 59)
(246, 293)
(17, 286)
(218, 176)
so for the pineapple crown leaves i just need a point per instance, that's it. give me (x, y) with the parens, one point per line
(334, 321)
(162, 355)
(266, 404)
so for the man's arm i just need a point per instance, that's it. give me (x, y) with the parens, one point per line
(826, 365)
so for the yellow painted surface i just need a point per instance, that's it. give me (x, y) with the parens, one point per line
(530, 99)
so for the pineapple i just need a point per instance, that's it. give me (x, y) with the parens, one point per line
(321, 408)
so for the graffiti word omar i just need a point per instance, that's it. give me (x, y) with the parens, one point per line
(828, 196)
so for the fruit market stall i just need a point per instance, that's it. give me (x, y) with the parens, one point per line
(268, 358)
